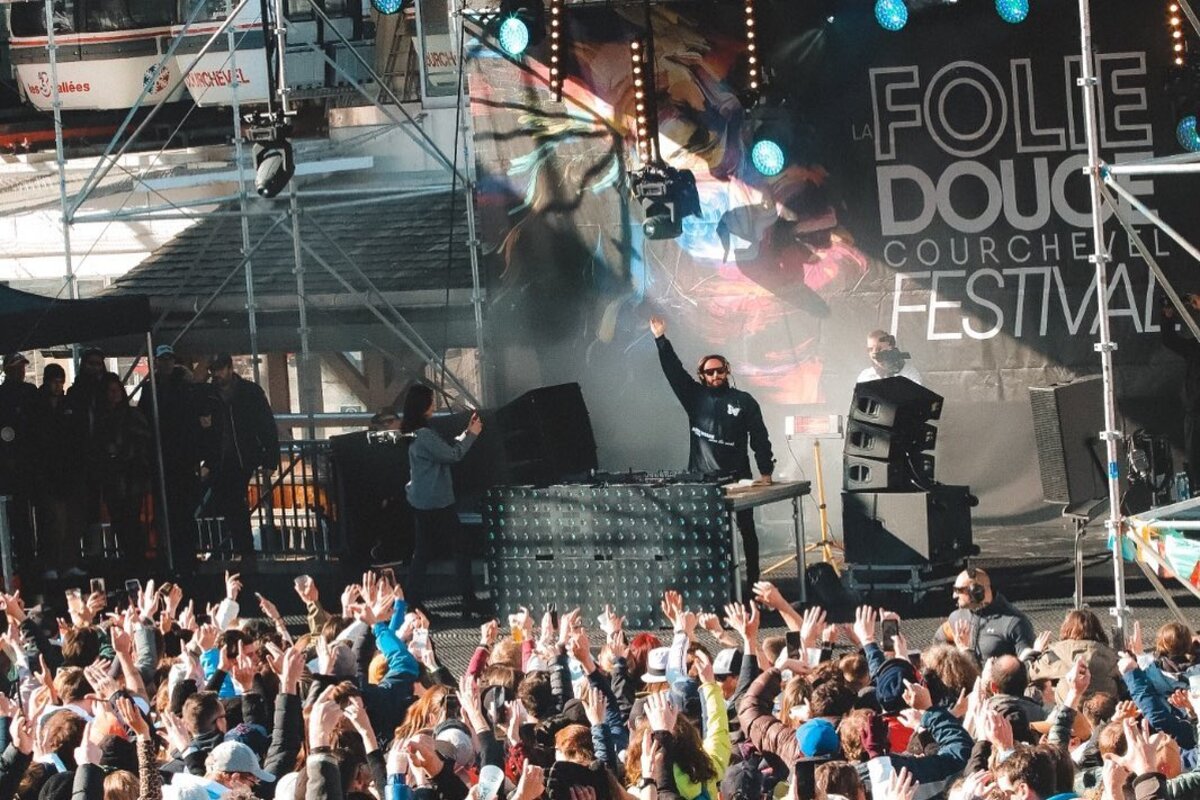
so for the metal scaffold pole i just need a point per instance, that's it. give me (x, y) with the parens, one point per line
(1089, 85)
(60, 159)
(251, 306)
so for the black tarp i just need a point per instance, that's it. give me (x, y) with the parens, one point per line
(29, 321)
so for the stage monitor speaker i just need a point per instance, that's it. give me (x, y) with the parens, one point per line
(547, 435)
(872, 441)
(874, 475)
(894, 402)
(1067, 420)
(907, 528)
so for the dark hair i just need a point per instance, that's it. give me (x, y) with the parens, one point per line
(220, 361)
(830, 699)
(1064, 767)
(536, 694)
(51, 371)
(700, 364)
(80, 647)
(1032, 767)
(200, 712)
(416, 403)
(111, 378)
(837, 777)
(71, 685)
(1082, 624)
(1099, 708)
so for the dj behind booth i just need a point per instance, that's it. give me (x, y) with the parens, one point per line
(557, 528)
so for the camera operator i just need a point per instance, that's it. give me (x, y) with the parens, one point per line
(887, 360)
(1186, 346)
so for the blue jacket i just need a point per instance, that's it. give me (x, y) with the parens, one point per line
(934, 772)
(1158, 711)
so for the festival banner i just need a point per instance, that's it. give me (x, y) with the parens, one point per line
(937, 192)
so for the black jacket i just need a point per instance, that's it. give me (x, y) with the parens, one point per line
(721, 421)
(997, 629)
(1187, 347)
(242, 435)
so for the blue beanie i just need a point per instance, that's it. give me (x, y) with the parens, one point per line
(818, 738)
(889, 683)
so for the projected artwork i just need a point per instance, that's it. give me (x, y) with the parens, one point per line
(932, 188)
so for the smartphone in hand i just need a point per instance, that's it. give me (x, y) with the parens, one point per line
(888, 629)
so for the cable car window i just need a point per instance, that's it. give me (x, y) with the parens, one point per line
(213, 10)
(152, 13)
(29, 19)
(299, 9)
(108, 15)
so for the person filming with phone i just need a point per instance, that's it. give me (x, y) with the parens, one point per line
(430, 492)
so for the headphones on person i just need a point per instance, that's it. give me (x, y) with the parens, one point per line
(976, 591)
(724, 362)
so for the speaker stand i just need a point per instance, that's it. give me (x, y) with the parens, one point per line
(826, 545)
(1081, 514)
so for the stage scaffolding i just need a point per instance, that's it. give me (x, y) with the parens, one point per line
(291, 212)
(457, 167)
(1125, 532)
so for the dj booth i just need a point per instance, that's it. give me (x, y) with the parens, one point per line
(587, 544)
(557, 530)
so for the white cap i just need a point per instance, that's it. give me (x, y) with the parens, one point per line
(724, 663)
(656, 665)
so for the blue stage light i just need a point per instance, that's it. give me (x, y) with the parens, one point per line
(891, 14)
(768, 157)
(1186, 132)
(1012, 11)
(513, 36)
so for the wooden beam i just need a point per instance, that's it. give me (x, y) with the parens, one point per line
(279, 390)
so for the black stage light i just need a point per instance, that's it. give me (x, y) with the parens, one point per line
(273, 166)
(669, 195)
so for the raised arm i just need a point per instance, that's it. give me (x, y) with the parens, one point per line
(684, 386)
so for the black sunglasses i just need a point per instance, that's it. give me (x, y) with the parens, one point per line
(714, 371)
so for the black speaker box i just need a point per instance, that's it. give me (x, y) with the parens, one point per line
(1067, 420)
(904, 473)
(873, 441)
(894, 402)
(547, 435)
(907, 528)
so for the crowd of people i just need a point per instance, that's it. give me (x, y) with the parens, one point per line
(141, 696)
(81, 457)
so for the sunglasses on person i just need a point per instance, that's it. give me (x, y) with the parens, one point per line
(715, 371)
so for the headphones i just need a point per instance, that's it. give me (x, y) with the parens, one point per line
(976, 592)
(700, 364)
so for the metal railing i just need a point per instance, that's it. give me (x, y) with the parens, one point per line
(294, 512)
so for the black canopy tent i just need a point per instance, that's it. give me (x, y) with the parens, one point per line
(31, 321)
